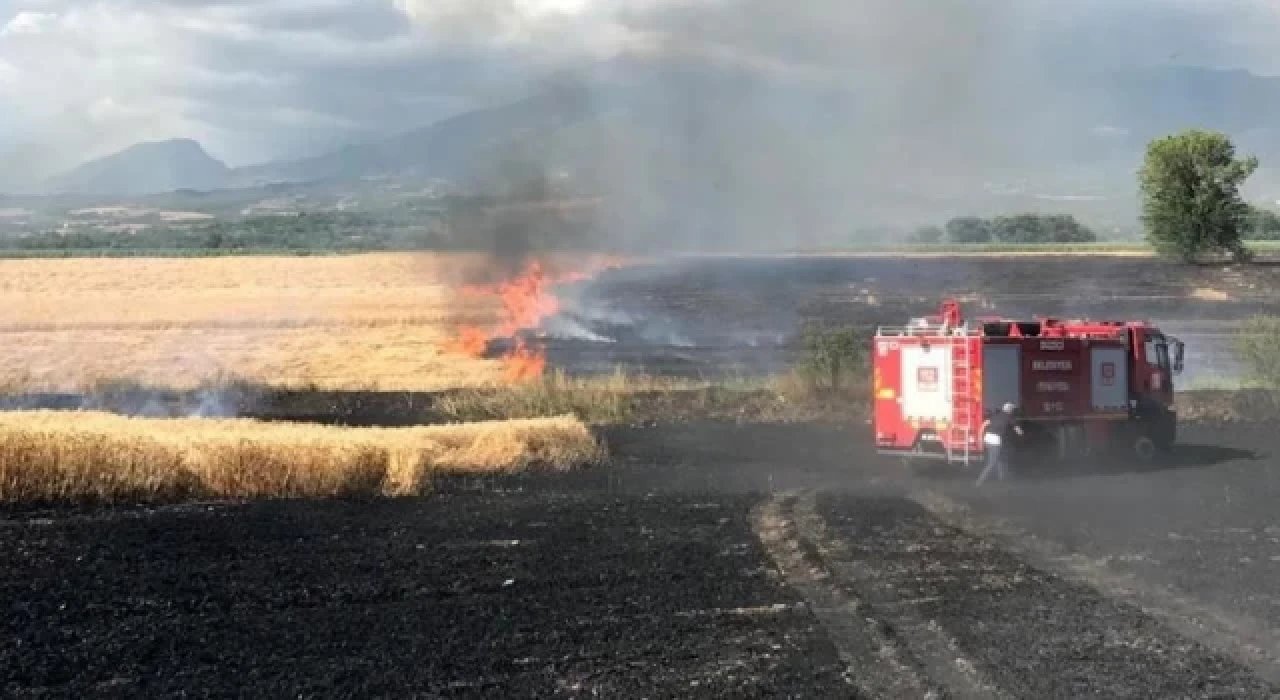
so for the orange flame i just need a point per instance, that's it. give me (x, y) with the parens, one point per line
(526, 301)
(470, 341)
(524, 363)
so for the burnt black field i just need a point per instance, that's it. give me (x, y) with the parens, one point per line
(740, 316)
(710, 559)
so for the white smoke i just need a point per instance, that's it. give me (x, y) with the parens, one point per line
(569, 329)
(213, 403)
(583, 315)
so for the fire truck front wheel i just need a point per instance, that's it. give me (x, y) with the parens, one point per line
(1166, 432)
(1149, 446)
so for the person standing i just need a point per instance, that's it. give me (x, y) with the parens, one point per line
(997, 433)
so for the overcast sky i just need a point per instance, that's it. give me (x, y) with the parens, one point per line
(257, 79)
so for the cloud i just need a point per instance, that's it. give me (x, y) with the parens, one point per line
(256, 79)
(305, 72)
(28, 23)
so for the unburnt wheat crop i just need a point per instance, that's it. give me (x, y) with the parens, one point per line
(380, 321)
(99, 457)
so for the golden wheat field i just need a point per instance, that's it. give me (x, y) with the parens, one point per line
(85, 456)
(377, 321)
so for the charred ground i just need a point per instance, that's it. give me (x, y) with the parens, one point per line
(736, 316)
(712, 558)
(658, 576)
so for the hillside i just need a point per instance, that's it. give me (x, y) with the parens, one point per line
(145, 168)
(695, 151)
(450, 148)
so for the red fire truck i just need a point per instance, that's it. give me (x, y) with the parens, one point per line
(1081, 387)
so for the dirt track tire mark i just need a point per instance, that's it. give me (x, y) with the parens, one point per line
(1251, 644)
(888, 650)
(929, 643)
(873, 660)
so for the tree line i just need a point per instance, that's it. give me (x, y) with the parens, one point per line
(1191, 204)
(1259, 225)
(1017, 229)
(336, 231)
(464, 224)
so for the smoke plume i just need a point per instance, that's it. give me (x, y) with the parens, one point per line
(750, 124)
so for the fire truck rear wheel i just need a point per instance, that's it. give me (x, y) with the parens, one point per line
(1145, 448)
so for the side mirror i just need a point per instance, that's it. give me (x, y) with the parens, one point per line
(1178, 348)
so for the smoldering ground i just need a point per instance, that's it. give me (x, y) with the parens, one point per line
(732, 316)
(141, 400)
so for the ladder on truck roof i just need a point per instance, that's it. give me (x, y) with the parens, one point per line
(961, 399)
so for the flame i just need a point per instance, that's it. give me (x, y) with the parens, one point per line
(524, 363)
(526, 302)
(470, 341)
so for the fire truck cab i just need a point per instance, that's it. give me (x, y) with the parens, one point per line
(1082, 387)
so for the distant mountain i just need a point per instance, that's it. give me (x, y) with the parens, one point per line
(145, 168)
(1100, 121)
(695, 138)
(451, 148)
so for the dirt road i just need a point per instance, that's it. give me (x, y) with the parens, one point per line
(711, 561)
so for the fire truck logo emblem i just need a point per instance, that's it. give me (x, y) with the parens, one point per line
(927, 378)
(1108, 372)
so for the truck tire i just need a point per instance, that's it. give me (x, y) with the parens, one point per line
(1152, 435)
(1145, 449)
(1166, 433)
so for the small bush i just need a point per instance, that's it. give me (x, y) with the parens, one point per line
(832, 358)
(1257, 347)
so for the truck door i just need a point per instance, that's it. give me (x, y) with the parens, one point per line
(1108, 381)
(1001, 375)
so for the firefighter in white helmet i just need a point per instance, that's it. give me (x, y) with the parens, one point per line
(997, 431)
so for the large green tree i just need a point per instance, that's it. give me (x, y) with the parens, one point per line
(1191, 203)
